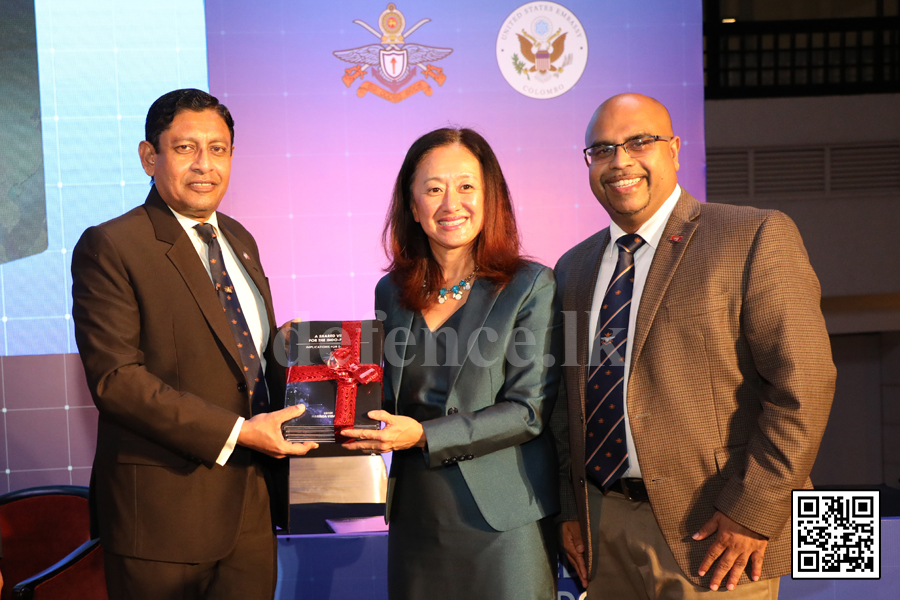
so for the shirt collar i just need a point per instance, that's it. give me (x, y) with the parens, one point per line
(652, 230)
(188, 223)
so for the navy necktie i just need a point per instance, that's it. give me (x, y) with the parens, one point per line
(605, 448)
(259, 395)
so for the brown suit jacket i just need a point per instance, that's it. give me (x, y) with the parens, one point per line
(731, 377)
(165, 374)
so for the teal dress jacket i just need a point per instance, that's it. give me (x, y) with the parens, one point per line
(500, 397)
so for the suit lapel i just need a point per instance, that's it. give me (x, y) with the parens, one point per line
(668, 255)
(254, 270)
(184, 257)
(401, 319)
(478, 307)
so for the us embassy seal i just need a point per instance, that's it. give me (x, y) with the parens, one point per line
(394, 62)
(542, 50)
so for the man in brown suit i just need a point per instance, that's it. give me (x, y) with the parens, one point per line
(727, 383)
(186, 484)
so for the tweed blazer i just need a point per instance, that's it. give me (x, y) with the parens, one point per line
(500, 397)
(164, 371)
(731, 377)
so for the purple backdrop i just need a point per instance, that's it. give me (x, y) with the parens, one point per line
(315, 162)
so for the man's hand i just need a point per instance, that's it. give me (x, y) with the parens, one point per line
(263, 433)
(570, 537)
(735, 545)
(399, 433)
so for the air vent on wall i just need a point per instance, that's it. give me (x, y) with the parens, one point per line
(727, 173)
(870, 167)
(734, 175)
(789, 171)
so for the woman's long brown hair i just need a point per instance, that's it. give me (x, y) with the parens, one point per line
(497, 249)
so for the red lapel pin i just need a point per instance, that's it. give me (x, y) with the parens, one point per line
(675, 238)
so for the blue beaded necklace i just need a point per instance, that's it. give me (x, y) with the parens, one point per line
(457, 290)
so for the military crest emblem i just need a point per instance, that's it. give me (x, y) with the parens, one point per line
(542, 50)
(394, 63)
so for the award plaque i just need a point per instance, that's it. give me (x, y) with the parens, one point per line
(334, 369)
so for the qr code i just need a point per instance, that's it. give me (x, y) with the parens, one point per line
(835, 535)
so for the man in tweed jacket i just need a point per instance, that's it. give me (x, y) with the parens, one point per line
(728, 381)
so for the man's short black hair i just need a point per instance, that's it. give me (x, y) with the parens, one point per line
(163, 111)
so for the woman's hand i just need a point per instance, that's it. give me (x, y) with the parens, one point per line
(399, 433)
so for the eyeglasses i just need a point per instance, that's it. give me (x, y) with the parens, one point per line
(634, 148)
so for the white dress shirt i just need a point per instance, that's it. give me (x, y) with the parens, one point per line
(651, 231)
(252, 304)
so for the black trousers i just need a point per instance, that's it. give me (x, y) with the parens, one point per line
(248, 572)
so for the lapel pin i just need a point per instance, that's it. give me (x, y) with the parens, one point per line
(675, 238)
(246, 256)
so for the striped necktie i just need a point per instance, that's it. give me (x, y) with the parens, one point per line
(605, 447)
(256, 383)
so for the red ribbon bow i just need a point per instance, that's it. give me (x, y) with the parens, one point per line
(343, 366)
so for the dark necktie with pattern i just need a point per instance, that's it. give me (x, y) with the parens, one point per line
(259, 396)
(605, 447)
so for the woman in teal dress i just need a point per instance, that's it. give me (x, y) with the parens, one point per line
(472, 330)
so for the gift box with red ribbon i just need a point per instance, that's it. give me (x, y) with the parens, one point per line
(334, 369)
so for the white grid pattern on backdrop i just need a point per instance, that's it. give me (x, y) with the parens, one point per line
(101, 64)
